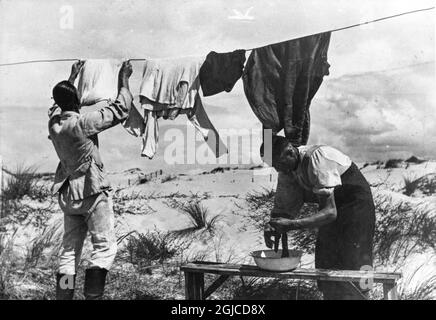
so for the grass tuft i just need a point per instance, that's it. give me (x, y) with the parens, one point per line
(410, 185)
(402, 230)
(199, 216)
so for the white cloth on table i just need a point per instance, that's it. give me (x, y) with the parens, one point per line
(98, 81)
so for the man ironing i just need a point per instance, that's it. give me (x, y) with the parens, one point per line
(346, 216)
(82, 184)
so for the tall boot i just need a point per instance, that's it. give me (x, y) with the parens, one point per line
(95, 279)
(65, 285)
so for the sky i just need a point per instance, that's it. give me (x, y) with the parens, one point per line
(377, 103)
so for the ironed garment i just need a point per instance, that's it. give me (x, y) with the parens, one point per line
(94, 215)
(220, 71)
(98, 81)
(281, 80)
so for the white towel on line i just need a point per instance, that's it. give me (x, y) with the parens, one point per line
(98, 81)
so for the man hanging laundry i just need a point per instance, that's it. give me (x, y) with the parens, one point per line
(82, 184)
(346, 216)
(280, 81)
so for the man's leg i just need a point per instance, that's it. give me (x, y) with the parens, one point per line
(326, 257)
(101, 227)
(356, 249)
(75, 230)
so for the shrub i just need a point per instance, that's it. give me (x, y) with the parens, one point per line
(260, 204)
(19, 183)
(50, 237)
(6, 266)
(427, 184)
(416, 160)
(402, 230)
(393, 163)
(143, 249)
(169, 177)
(199, 216)
(410, 185)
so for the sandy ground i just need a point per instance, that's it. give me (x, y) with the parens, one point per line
(223, 194)
(226, 190)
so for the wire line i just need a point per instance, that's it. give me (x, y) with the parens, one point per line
(333, 30)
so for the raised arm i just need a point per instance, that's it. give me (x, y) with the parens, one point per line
(75, 69)
(116, 111)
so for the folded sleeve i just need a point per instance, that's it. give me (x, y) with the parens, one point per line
(323, 173)
(114, 113)
(288, 199)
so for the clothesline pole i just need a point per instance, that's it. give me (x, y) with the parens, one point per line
(351, 26)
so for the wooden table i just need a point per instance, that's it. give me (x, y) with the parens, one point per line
(194, 277)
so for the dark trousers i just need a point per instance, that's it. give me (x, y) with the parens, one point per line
(347, 243)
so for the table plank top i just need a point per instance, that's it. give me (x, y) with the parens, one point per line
(299, 273)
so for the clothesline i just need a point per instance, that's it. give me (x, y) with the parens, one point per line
(37, 61)
(333, 30)
(351, 26)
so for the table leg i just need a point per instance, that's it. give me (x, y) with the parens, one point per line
(390, 291)
(194, 286)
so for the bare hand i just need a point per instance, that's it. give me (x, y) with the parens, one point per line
(281, 225)
(268, 234)
(75, 69)
(126, 69)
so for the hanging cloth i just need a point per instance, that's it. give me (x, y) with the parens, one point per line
(98, 81)
(280, 81)
(200, 120)
(170, 87)
(220, 71)
(163, 78)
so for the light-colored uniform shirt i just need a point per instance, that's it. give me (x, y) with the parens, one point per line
(318, 173)
(75, 140)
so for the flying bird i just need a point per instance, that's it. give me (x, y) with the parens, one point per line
(239, 16)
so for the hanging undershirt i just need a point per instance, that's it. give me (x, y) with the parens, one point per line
(170, 87)
(98, 81)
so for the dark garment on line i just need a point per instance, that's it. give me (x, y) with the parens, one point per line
(220, 71)
(280, 81)
(347, 243)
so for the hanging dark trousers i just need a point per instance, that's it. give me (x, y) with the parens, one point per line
(280, 81)
(65, 285)
(95, 279)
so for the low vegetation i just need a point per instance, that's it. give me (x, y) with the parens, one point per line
(147, 264)
(410, 185)
(168, 177)
(402, 230)
(394, 163)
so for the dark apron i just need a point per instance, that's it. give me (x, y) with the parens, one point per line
(347, 243)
